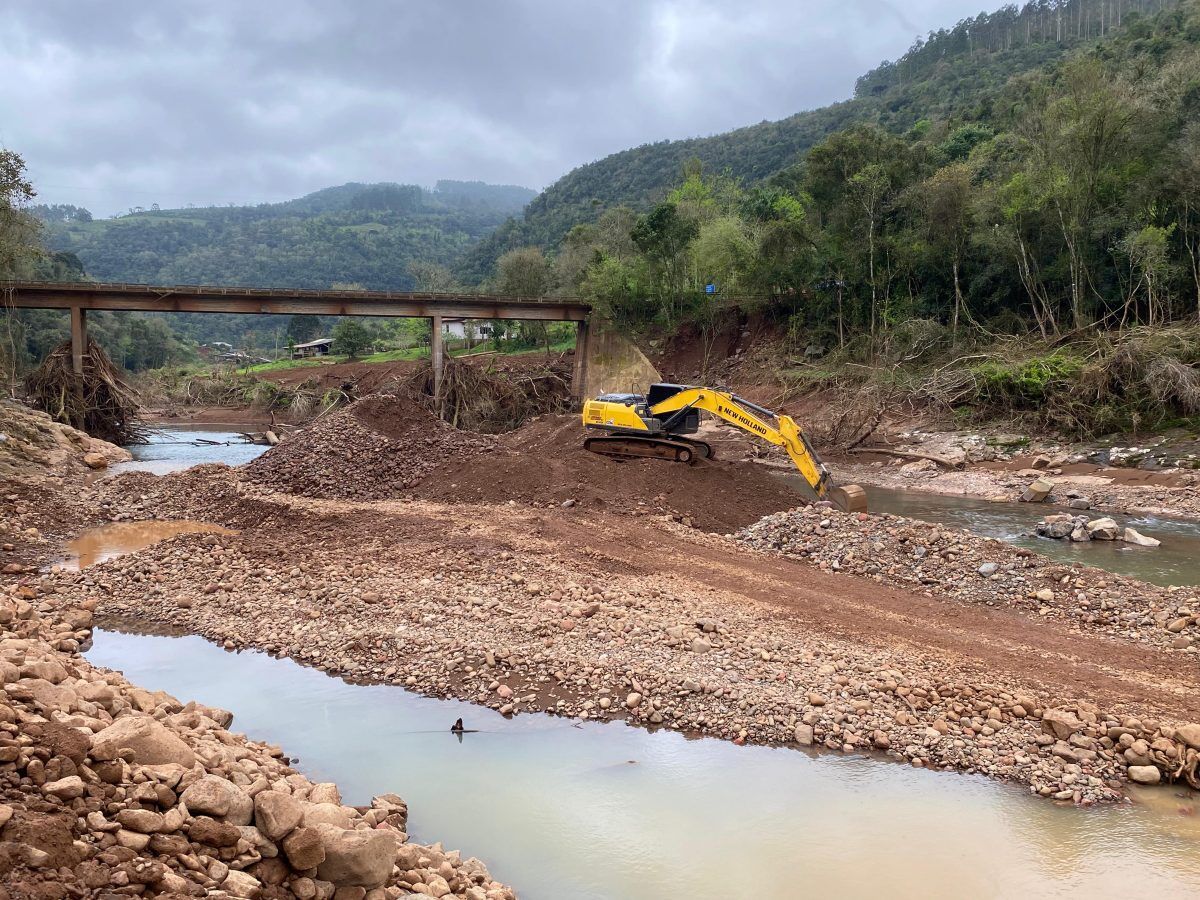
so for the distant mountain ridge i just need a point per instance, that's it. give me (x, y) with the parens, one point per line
(364, 234)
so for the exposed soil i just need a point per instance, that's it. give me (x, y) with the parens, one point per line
(544, 463)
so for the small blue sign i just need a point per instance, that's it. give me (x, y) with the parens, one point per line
(710, 288)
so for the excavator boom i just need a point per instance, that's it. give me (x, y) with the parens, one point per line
(651, 425)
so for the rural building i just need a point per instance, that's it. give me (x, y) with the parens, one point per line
(319, 347)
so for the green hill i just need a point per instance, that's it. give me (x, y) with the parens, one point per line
(365, 234)
(956, 75)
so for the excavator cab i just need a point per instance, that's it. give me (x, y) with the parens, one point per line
(636, 426)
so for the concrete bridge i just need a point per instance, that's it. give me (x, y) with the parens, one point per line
(81, 297)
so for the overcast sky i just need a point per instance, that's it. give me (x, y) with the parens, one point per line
(126, 102)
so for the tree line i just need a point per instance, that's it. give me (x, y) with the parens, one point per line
(1074, 200)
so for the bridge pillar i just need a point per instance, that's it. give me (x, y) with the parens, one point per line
(579, 375)
(78, 338)
(437, 355)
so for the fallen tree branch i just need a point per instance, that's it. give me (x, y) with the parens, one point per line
(909, 454)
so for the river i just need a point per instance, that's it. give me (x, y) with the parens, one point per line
(591, 810)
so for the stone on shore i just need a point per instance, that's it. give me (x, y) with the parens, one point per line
(362, 858)
(150, 741)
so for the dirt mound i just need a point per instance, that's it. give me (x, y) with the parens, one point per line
(374, 449)
(545, 462)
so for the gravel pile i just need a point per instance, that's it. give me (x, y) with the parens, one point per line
(961, 565)
(377, 448)
(110, 790)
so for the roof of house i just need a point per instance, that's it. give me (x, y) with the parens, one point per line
(319, 342)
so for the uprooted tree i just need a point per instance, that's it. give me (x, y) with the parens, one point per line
(98, 401)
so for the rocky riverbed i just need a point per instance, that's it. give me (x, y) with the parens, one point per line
(807, 628)
(494, 604)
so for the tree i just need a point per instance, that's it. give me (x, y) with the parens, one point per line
(18, 228)
(432, 276)
(350, 337)
(946, 203)
(302, 329)
(663, 235)
(523, 272)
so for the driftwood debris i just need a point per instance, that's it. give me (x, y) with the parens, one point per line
(99, 401)
(909, 454)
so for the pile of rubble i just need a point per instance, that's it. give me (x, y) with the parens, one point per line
(377, 448)
(108, 789)
(1081, 529)
(961, 565)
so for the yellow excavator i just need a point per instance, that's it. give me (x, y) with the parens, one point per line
(652, 425)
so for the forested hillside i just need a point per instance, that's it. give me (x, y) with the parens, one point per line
(364, 234)
(954, 75)
(1064, 204)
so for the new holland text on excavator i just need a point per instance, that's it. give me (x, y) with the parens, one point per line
(653, 425)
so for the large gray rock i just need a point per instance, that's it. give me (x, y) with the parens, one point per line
(356, 857)
(1103, 529)
(150, 741)
(276, 814)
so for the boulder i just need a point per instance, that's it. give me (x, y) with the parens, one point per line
(1060, 723)
(1038, 491)
(1189, 734)
(241, 884)
(1133, 536)
(325, 792)
(214, 796)
(804, 735)
(325, 814)
(304, 848)
(69, 788)
(1104, 529)
(143, 821)
(150, 741)
(362, 858)
(213, 833)
(1145, 774)
(276, 814)
(95, 460)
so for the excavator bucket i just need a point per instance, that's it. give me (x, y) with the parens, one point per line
(849, 498)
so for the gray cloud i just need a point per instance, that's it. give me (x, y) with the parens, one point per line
(125, 103)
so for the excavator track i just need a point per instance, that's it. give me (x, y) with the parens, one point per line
(628, 447)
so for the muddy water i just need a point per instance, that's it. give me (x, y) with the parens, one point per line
(172, 450)
(118, 538)
(608, 811)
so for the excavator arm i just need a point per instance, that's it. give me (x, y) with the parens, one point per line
(783, 433)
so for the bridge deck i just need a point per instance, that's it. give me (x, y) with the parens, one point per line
(277, 301)
(81, 297)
